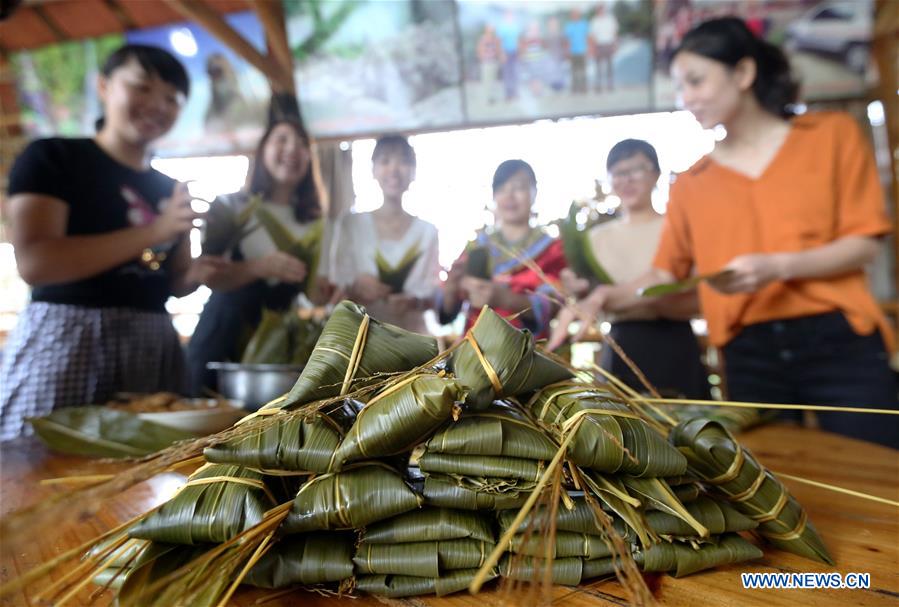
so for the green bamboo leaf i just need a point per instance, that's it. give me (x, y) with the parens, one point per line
(386, 349)
(293, 444)
(447, 492)
(270, 343)
(312, 558)
(97, 431)
(578, 249)
(659, 494)
(421, 559)
(717, 517)
(565, 544)
(399, 586)
(673, 288)
(212, 512)
(477, 263)
(430, 524)
(684, 559)
(606, 442)
(350, 499)
(511, 355)
(395, 276)
(498, 431)
(400, 416)
(717, 458)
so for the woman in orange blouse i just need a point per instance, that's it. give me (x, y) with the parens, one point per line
(792, 206)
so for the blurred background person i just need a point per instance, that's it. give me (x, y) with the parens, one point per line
(101, 238)
(387, 259)
(654, 333)
(506, 282)
(792, 208)
(258, 275)
(604, 38)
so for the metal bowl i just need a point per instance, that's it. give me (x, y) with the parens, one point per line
(254, 385)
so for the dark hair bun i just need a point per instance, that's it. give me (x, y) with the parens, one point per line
(728, 40)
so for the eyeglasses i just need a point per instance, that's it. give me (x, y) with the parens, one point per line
(634, 173)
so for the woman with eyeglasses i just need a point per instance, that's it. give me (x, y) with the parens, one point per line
(792, 207)
(655, 334)
(500, 266)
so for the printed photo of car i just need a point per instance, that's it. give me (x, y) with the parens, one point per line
(839, 29)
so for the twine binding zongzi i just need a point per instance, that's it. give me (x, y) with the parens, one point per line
(356, 356)
(485, 364)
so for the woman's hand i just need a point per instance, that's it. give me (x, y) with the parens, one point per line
(572, 285)
(559, 333)
(750, 273)
(205, 269)
(368, 288)
(402, 303)
(176, 217)
(480, 291)
(279, 266)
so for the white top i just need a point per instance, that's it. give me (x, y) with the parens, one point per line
(604, 29)
(625, 250)
(355, 247)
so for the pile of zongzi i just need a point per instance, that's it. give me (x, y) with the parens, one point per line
(388, 471)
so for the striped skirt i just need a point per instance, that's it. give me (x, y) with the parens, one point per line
(62, 355)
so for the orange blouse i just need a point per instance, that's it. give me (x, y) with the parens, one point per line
(821, 185)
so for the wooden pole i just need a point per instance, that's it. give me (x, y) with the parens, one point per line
(885, 47)
(202, 14)
(271, 15)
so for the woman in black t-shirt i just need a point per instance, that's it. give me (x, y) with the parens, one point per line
(100, 236)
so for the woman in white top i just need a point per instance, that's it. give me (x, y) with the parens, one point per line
(387, 259)
(259, 275)
(655, 334)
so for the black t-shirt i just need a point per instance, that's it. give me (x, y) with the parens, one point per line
(103, 195)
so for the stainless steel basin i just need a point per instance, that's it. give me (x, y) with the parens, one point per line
(254, 385)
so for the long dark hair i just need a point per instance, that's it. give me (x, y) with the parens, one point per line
(307, 198)
(728, 40)
(155, 61)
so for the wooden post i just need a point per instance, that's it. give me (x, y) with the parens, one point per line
(885, 47)
(271, 15)
(197, 11)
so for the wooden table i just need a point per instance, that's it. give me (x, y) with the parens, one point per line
(863, 536)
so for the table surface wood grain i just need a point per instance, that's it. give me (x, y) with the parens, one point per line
(863, 536)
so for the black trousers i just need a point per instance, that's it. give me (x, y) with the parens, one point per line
(667, 353)
(817, 360)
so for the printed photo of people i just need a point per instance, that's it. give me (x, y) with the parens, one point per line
(828, 41)
(369, 66)
(533, 59)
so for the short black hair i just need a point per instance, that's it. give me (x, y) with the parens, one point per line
(728, 40)
(398, 144)
(156, 62)
(508, 168)
(628, 148)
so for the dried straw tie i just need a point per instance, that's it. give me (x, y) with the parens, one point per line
(356, 356)
(485, 364)
(209, 480)
(570, 428)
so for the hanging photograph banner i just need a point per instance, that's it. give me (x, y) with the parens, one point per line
(527, 60)
(827, 41)
(229, 98)
(368, 66)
